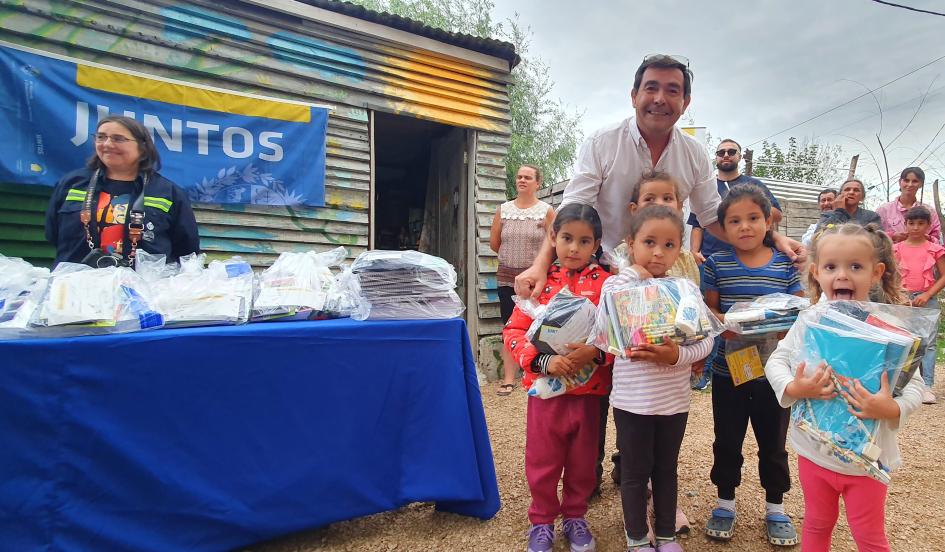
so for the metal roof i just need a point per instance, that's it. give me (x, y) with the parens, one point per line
(488, 46)
(797, 191)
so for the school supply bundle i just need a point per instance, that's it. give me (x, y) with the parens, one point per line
(81, 300)
(297, 285)
(193, 295)
(757, 325)
(861, 341)
(405, 285)
(21, 289)
(566, 318)
(652, 311)
(772, 313)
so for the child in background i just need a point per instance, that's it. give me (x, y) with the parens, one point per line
(846, 261)
(752, 269)
(918, 259)
(561, 432)
(659, 188)
(651, 393)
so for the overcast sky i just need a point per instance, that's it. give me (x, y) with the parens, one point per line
(760, 67)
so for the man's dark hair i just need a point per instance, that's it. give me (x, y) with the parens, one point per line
(664, 62)
(739, 146)
(826, 191)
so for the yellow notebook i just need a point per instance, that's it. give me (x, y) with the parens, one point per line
(745, 365)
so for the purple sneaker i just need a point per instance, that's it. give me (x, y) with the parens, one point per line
(541, 538)
(579, 535)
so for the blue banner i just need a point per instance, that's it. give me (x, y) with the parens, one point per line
(220, 147)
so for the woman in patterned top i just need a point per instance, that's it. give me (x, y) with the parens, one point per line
(518, 230)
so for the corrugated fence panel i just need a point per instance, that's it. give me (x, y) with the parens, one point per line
(246, 48)
(22, 223)
(491, 150)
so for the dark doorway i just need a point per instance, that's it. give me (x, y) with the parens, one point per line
(420, 187)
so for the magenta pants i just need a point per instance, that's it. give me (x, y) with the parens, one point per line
(561, 435)
(865, 501)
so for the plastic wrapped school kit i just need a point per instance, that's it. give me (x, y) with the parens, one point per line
(858, 340)
(652, 311)
(297, 285)
(81, 300)
(566, 318)
(405, 285)
(194, 295)
(21, 289)
(771, 313)
(758, 325)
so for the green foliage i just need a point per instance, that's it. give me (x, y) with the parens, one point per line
(808, 162)
(544, 132)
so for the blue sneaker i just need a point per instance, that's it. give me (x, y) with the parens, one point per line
(541, 538)
(579, 535)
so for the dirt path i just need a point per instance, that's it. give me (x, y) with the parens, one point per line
(915, 508)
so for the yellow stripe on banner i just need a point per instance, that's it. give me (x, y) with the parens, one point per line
(190, 96)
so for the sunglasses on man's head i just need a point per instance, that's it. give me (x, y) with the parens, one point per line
(731, 152)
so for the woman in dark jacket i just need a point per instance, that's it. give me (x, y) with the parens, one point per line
(103, 214)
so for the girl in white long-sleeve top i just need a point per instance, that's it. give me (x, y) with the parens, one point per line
(847, 260)
(651, 393)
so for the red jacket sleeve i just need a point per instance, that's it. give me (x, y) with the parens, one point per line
(513, 336)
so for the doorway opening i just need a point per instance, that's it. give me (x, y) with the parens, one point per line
(420, 188)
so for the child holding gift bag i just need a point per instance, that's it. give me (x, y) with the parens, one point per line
(562, 431)
(846, 261)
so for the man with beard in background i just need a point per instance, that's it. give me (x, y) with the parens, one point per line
(702, 244)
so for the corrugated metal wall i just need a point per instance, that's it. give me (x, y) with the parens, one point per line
(241, 47)
(491, 150)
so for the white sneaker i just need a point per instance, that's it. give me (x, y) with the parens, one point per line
(928, 397)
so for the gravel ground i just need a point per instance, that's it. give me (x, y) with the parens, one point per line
(915, 507)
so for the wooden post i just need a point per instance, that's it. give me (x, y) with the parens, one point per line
(747, 157)
(853, 161)
(938, 203)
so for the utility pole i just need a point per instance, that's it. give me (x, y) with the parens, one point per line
(747, 158)
(853, 161)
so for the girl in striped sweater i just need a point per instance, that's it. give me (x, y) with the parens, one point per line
(651, 393)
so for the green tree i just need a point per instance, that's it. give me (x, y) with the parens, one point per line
(544, 131)
(808, 162)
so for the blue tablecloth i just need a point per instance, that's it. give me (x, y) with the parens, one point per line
(215, 438)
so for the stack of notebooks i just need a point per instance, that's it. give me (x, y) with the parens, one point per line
(653, 311)
(858, 341)
(406, 285)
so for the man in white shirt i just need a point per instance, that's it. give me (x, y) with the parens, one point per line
(612, 160)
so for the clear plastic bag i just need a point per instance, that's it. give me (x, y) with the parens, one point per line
(21, 289)
(652, 311)
(81, 300)
(861, 341)
(771, 313)
(566, 318)
(191, 295)
(405, 285)
(344, 296)
(296, 286)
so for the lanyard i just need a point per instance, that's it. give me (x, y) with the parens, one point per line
(134, 222)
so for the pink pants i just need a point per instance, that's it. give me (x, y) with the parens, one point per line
(865, 501)
(561, 434)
